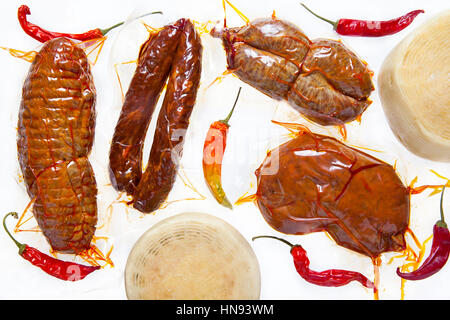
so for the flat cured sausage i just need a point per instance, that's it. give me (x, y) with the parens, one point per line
(315, 183)
(55, 136)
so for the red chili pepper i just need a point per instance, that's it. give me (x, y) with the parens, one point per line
(43, 35)
(63, 270)
(364, 28)
(327, 278)
(440, 249)
(213, 151)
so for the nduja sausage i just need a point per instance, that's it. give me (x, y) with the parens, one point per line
(315, 183)
(55, 136)
(321, 79)
(179, 47)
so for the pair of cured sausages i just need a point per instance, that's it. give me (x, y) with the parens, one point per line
(173, 53)
(321, 79)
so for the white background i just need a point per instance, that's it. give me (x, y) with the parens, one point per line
(251, 136)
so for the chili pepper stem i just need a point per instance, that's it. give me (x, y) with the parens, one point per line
(442, 223)
(21, 246)
(334, 23)
(225, 121)
(272, 237)
(227, 204)
(105, 31)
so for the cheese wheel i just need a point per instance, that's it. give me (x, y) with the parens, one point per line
(414, 89)
(192, 256)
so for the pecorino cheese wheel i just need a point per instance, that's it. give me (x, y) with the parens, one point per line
(414, 88)
(192, 256)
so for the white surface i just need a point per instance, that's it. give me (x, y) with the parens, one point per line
(250, 137)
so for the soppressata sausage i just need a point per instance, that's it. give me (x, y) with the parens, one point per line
(322, 79)
(55, 136)
(154, 64)
(315, 183)
(175, 52)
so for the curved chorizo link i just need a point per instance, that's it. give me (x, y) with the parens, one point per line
(173, 121)
(178, 58)
(154, 63)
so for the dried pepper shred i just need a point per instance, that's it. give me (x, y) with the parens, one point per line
(440, 250)
(213, 151)
(364, 28)
(43, 35)
(327, 278)
(68, 271)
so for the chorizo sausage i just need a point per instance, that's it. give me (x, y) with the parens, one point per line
(316, 183)
(264, 52)
(173, 121)
(55, 136)
(154, 63)
(175, 52)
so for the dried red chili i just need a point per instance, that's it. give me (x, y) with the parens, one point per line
(68, 271)
(213, 151)
(43, 35)
(365, 28)
(327, 278)
(440, 250)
